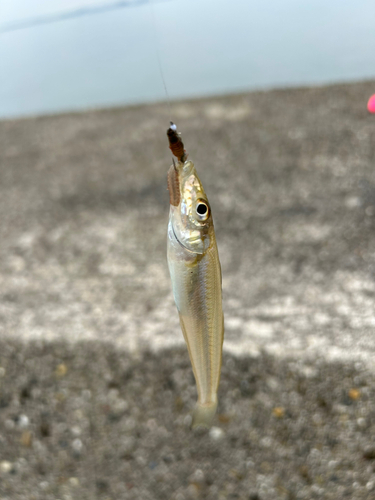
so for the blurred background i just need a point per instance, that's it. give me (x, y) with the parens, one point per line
(73, 54)
(96, 386)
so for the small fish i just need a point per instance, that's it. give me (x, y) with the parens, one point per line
(194, 266)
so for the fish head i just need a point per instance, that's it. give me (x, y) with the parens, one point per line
(190, 213)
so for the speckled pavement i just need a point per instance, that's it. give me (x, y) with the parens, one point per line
(95, 381)
(290, 177)
(88, 421)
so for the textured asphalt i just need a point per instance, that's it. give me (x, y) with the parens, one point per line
(95, 381)
(290, 177)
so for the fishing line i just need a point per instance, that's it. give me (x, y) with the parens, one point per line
(157, 52)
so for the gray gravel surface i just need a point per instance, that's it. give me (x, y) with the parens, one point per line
(289, 175)
(95, 383)
(90, 421)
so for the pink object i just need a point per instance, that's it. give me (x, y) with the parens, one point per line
(371, 104)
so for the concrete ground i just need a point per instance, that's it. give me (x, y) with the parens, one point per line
(91, 354)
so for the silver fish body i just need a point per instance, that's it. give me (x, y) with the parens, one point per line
(194, 266)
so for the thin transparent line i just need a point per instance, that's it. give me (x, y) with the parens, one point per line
(157, 52)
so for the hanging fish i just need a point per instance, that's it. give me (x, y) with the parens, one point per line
(194, 266)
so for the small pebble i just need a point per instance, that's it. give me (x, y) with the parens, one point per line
(224, 418)
(253, 495)
(119, 407)
(354, 394)
(278, 412)
(369, 452)
(23, 421)
(188, 420)
(272, 383)
(216, 434)
(77, 445)
(361, 422)
(26, 439)
(197, 477)
(168, 459)
(61, 370)
(235, 474)
(179, 404)
(266, 442)
(353, 202)
(5, 466)
(370, 485)
(193, 491)
(101, 485)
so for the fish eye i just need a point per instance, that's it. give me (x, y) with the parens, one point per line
(202, 210)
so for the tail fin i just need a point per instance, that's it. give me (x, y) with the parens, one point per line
(203, 414)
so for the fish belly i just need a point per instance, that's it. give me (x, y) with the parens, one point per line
(196, 282)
